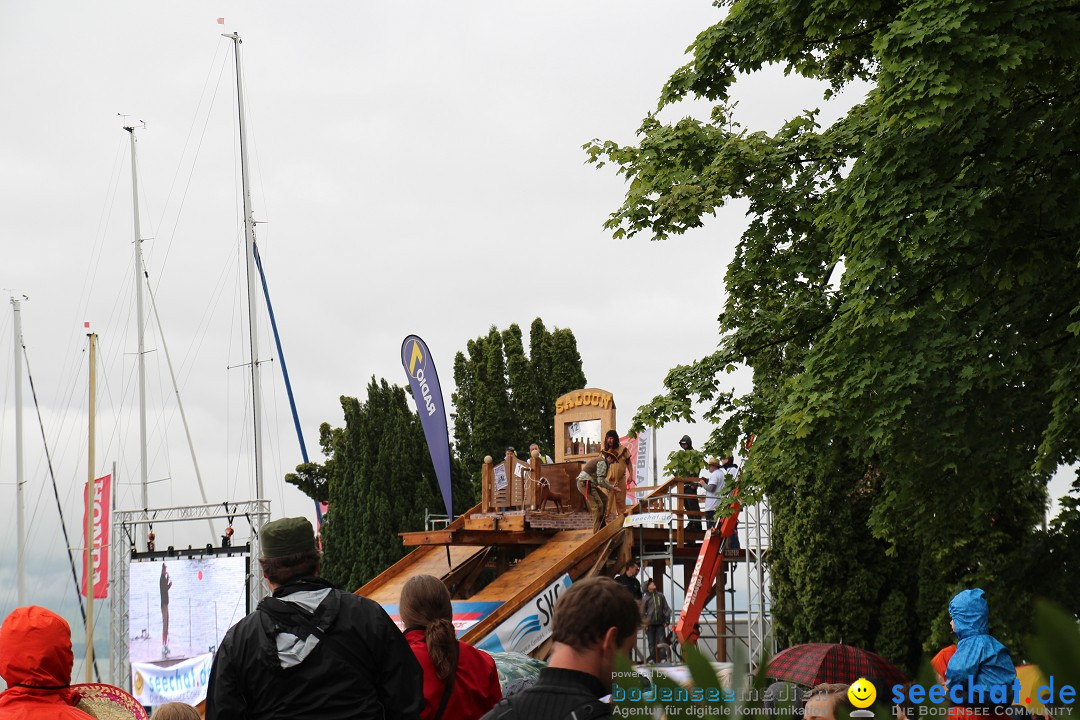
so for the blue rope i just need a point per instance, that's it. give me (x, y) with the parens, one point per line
(284, 369)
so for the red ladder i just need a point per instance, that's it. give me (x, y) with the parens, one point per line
(709, 559)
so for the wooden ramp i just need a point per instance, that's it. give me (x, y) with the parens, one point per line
(578, 553)
(537, 565)
(385, 588)
(425, 560)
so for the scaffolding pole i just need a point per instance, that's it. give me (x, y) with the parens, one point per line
(759, 625)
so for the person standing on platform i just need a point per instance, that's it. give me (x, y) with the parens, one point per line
(618, 466)
(311, 651)
(731, 474)
(589, 481)
(545, 459)
(691, 503)
(712, 486)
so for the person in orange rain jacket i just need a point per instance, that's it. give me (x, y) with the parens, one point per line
(940, 662)
(35, 662)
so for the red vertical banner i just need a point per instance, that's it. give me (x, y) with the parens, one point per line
(100, 542)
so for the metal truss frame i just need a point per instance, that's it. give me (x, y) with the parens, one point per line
(759, 621)
(257, 512)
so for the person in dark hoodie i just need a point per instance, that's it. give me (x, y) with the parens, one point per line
(311, 650)
(691, 503)
(980, 663)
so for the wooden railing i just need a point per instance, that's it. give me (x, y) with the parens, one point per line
(516, 485)
(671, 496)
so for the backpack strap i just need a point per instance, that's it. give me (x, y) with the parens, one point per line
(447, 692)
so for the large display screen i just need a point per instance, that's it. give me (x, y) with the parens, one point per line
(181, 607)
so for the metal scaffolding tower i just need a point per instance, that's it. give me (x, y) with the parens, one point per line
(759, 625)
(662, 536)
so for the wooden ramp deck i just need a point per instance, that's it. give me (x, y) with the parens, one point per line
(548, 556)
(538, 564)
(425, 560)
(579, 553)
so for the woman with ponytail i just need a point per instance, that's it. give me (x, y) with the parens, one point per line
(460, 682)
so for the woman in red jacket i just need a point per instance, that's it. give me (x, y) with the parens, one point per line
(460, 682)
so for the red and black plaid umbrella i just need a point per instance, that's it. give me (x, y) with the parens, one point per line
(816, 663)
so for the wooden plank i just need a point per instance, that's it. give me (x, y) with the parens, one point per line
(536, 571)
(512, 523)
(404, 562)
(430, 560)
(476, 537)
(480, 523)
(434, 537)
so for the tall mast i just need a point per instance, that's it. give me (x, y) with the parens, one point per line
(253, 296)
(88, 571)
(20, 507)
(141, 320)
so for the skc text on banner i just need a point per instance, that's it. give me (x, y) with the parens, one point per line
(531, 625)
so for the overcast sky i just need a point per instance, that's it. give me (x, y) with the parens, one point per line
(419, 170)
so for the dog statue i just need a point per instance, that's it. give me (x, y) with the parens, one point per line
(547, 494)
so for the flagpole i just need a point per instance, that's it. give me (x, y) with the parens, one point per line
(88, 568)
(20, 502)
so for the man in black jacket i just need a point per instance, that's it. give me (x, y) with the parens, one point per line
(629, 579)
(594, 621)
(310, 650)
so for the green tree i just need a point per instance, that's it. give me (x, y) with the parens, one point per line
(380, 480)
(525, 391)
(504, 398)
(566, 367)
(495, 423)
(906, 293)
(540, 362)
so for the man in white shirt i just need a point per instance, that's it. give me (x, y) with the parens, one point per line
(712, 485)
(719, 470)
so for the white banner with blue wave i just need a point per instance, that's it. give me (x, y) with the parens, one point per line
(531, 625)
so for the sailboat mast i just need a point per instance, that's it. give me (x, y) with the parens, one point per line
(20, 502)
(141, 320)
(88, 568)
(253, 295)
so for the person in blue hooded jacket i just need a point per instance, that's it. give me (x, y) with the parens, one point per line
(980, 661)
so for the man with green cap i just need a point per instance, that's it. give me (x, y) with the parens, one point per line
(311, 650)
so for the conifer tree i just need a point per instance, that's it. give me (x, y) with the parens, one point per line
(524, 388)
(506, 399)
(380, 481)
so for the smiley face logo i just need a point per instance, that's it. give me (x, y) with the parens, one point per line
(862, 693)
